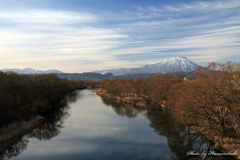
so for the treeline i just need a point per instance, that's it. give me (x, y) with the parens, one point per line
(23, 97)
(207, 102)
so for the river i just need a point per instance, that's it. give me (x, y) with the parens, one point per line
(92, 128)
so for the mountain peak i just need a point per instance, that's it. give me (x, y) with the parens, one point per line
(177, 64)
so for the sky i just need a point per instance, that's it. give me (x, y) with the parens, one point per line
(76, 36)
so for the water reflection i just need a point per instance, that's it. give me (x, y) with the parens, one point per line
(123, 109)
(13, 147)
(181, 139)
(73, 97)
(94, 131)
(49, 128)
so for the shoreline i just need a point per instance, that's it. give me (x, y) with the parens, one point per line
(134, 99)
(228, 145)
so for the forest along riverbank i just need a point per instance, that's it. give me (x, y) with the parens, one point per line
(106, 125)
(161, 118)
(26, 100)
(207, 102)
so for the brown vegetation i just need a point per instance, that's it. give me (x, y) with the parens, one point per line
(132, 99)
(92, 84)
(207, 102)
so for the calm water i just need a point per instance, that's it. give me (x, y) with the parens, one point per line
(93, 128)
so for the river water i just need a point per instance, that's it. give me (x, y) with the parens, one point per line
(92, 128)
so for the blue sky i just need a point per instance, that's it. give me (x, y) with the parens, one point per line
(86, 35)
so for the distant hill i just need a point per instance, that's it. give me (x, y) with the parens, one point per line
(86, 76)
(100, 77)
(29, 70)
(179, 65)
(172, 65)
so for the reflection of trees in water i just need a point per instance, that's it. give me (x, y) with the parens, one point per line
(77, 95)
(180, 138)
(13, 147)
(122, 109)
(73, 97)
(49, 128)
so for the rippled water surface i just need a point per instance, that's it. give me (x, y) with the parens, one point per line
(95, 128)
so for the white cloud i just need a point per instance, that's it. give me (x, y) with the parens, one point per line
(46, 17)
(32, 37)
(49, 35)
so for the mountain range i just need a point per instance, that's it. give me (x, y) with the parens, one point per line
(172, 65)
(179, 65)
(29, 70)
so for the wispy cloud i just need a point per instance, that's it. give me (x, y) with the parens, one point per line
(125, 37)
(198, 6)
(43, 35)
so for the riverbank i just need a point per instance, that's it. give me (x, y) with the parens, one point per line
(229, 146)
(18, 128)
(132, 99)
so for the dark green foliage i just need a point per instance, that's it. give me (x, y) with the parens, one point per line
(22, 97)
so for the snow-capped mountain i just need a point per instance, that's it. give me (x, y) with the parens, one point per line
(29, 70)
(52, 71)
(178, 64)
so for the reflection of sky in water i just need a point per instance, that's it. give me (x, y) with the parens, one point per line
(95, 131)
